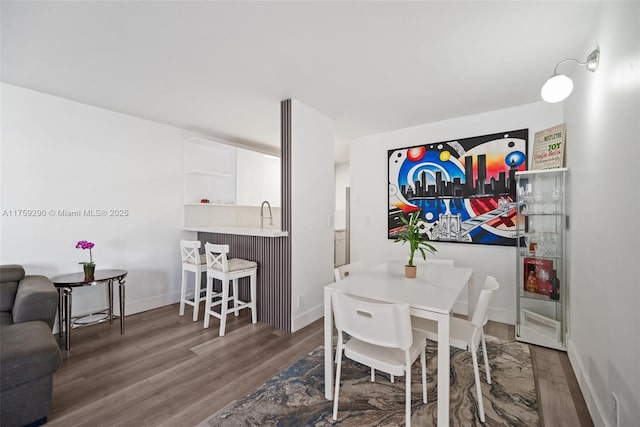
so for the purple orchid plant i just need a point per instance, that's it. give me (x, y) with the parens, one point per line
(84, 244)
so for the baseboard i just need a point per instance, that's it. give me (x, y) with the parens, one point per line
(502, 315)
(132, 307)
(303, 319)
(593, 404)
(146, 304)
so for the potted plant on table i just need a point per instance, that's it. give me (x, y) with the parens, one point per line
(89, 267)
(418, 241)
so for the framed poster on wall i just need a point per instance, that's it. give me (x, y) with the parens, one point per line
(548, 148)
(463, 188)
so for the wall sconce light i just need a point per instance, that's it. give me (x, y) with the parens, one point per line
(558, 87)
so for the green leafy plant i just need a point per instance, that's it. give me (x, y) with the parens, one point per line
(413, 235)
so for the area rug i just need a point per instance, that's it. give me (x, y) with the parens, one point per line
(295, 396)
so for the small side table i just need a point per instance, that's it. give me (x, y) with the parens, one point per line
(65, 284)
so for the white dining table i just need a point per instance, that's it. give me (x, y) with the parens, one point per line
(431, 295)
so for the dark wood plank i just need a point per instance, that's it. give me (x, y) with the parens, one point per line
(580, 404)
(169, 371)
(554, 395)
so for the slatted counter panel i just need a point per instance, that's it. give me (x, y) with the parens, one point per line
(274, 275)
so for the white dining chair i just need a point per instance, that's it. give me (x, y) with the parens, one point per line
(228, 271)
(381, 337)
(491, 284)
(340, 273)
(192, 261)
(346, 270)
(467, 335)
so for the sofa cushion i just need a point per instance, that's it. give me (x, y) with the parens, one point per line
(7, 295)
(28, 351)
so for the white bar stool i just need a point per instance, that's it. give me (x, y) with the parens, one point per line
(227, 270)
(196, 263)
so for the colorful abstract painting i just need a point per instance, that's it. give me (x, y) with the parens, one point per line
(464, 189)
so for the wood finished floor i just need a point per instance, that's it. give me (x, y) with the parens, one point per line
(169, 371)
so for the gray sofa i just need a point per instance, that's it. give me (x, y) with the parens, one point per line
(29, 353)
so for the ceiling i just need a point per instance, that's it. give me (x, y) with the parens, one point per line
(222, 68)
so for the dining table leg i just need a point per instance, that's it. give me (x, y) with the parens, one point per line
(328, 346)
(443, 369)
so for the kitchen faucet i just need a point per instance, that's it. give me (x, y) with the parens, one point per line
(262, 217)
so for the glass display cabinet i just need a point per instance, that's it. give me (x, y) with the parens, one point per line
(542, 293)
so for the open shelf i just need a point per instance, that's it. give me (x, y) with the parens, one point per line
(208, 204)
(209, 173)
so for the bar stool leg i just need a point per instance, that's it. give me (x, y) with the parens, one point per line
(253, 280)
(196, 295)
(235, 297)
(207, 304)
(224, 306)
(183, 291)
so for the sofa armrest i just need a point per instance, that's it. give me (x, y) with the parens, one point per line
(36, 299)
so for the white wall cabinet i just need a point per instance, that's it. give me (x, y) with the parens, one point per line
(541, 275)
(209, 172)
(257, 178)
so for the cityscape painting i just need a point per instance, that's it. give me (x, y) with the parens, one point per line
(464, 189)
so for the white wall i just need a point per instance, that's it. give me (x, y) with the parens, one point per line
(603, 151)
(342, 182)
(369, 198)
(62, 155)
(312, 208)
(257, 178)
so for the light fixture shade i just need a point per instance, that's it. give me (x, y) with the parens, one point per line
(557, 88)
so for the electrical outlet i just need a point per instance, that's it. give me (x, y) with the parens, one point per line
(300, 301)
(615, 409)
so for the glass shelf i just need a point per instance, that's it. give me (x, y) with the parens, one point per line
(539, 297)
(541, 257)
(530, 255)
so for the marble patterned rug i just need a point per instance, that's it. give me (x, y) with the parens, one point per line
(295, 396)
